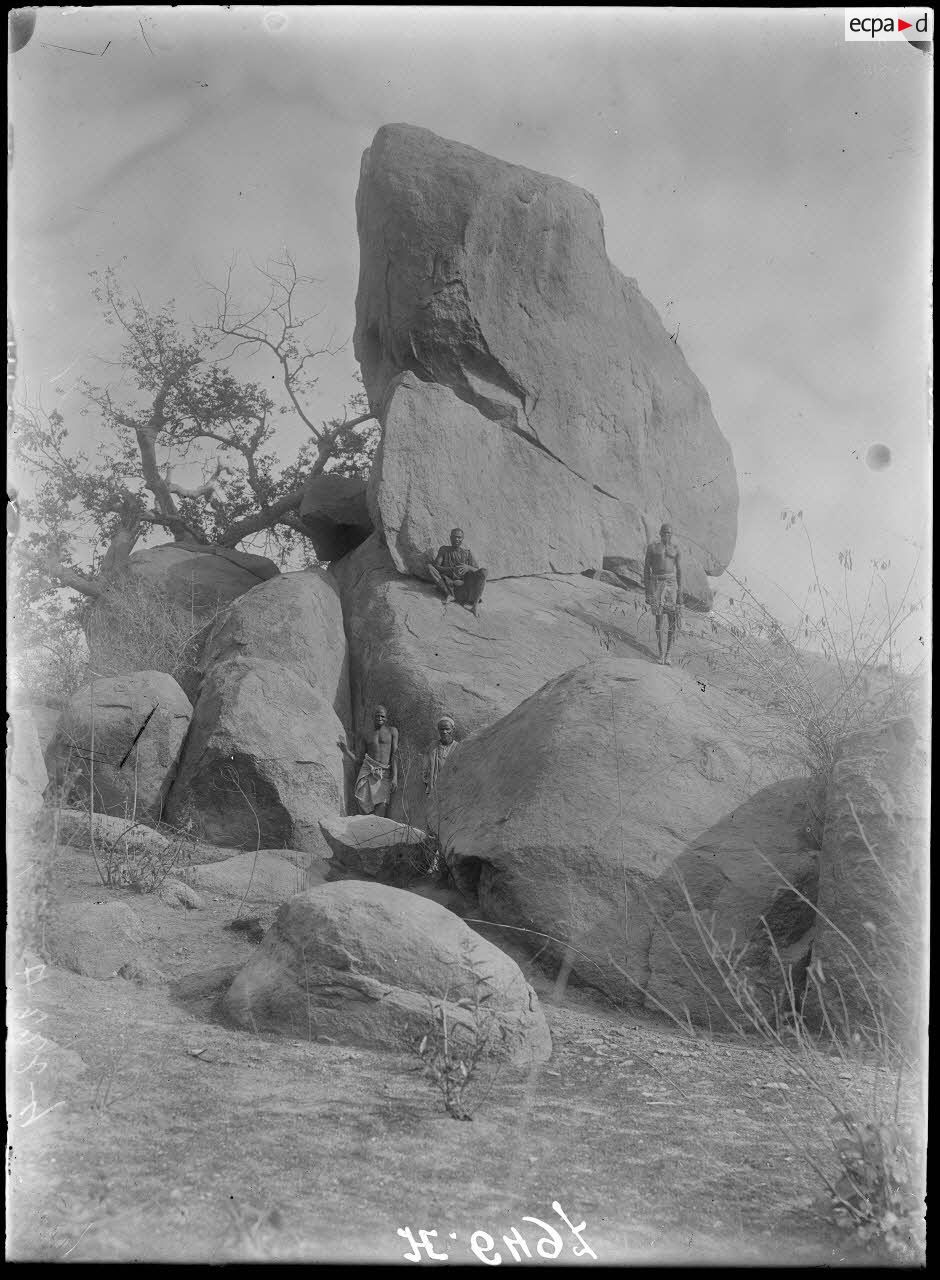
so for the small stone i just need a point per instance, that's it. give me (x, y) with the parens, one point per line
(142, 971)
(177, 894)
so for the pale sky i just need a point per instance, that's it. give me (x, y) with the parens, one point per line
(767, 184)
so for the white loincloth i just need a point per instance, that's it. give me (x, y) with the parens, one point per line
(664, 597)
(373, 785)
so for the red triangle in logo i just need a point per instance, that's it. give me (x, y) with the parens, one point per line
(902, 25)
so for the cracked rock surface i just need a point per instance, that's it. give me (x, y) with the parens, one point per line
(508, 360)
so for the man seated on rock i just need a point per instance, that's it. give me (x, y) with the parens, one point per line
(457, 573)
(662, 577)
(377, 759)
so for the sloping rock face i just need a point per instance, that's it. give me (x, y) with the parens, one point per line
(367, 845)
(261, 765)
(508, 360)
(270, 875)
(94, 939)
(365, 963)
(336, 513)
(295, 620)
(572, 815)
(872, 933)
(118, 740)
(422, 660)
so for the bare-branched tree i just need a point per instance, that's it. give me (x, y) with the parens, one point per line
(176, 407)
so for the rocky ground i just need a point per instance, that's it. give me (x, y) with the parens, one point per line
(144, 1129)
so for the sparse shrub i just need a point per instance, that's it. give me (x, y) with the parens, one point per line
(146, 871)
(136, 856)
(49, 669)
(873, 1191)
(876, 1195)
(453, 1049)
(837, 668)
(136, 625)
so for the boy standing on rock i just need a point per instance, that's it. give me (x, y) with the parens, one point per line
(377, 760)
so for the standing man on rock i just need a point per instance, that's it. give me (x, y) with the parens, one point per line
(439, 752)
(662, 577)
(377, 760)
(457, 573)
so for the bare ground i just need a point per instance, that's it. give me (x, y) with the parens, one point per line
(143, 1129)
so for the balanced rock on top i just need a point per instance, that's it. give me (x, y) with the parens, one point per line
(509, 360)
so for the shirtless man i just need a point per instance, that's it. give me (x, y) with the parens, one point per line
(457, 573)
(377, 761)
(662, 577)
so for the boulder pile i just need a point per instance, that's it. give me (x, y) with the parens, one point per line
(634, 822)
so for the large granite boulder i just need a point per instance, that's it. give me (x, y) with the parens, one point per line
(116, 744)
(871, 941)
(295, 620)
(367, 845)
(336, 513)
(582, 813)
(508, 359)
(261, 765)
(421, 659)
(369, 964)
(202, 578)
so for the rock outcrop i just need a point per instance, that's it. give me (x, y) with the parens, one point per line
(118, 741)
(423, 660)
(95, 939)
(296, 621)
(572, 816)
(200, 577)
(871, 943)
(336, 513)
(369, 846)
(368, 964)
(260, 766)
(508, 360)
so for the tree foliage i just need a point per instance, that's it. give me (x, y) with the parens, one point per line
(184, 444)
